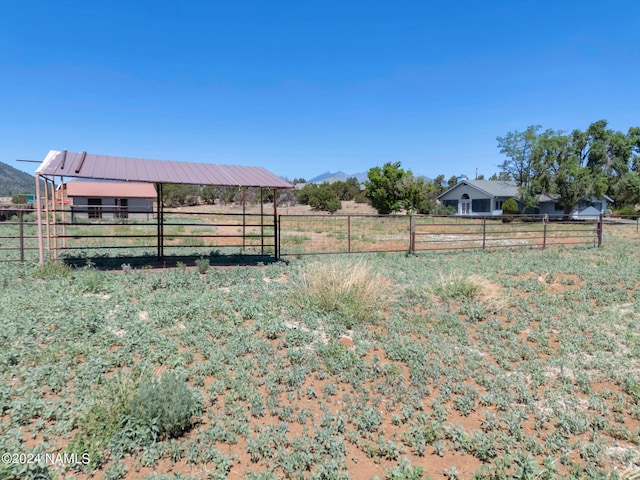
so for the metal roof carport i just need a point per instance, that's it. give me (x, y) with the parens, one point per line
(104, 167)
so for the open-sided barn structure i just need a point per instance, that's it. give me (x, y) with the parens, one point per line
(59, 165)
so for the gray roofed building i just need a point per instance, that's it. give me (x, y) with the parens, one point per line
(486, 197)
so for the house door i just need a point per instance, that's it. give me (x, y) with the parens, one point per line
(465, 205)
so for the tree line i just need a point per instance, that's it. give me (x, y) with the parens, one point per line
(567, 166)
(571, 166)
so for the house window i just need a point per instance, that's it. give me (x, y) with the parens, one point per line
(481, 205)
(95, 207)
(499, 204)
(450, 203)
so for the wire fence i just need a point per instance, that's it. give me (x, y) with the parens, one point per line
(320, 234)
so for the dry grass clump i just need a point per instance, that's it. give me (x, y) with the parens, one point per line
(625, 462)
(348, 287)
(472, 288)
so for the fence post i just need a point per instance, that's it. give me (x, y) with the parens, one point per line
(349, 233)
(21, 235)
(412, 234)
(545, 220)
(599, 230)
(484, 232)
(276, 235)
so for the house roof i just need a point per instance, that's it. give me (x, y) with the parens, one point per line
(492, 188)
(105, 167)
(111, 189)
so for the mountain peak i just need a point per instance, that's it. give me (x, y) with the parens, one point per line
(331, 177)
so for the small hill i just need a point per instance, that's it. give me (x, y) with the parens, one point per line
(14, 181)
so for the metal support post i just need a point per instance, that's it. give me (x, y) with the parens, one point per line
(20, 219)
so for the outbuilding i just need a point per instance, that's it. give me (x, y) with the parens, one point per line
(110, 200)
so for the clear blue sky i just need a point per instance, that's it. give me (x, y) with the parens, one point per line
(305, 86)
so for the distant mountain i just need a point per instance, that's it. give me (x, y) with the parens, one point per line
(330, 177)
(14, 181)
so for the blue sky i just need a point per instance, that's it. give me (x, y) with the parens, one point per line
(305, 86)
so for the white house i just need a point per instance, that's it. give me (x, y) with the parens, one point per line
(486, 197)
(110, 200)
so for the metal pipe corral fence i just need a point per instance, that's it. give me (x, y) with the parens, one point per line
(281, 235)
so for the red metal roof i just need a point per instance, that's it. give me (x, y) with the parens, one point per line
(87, 165)
(111, 189)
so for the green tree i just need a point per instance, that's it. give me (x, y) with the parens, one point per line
(384, 187)
(520, 164)
(209, 194)
(439, 184)
(348, 189)
(502, 176)
(634, 139)
(324, 197)
(19, 199)
(612, 154)
(564, 170)
(176, 195)
(626, 190)
(302, 195)
(228, 194)
(420, 195)
(414, 195)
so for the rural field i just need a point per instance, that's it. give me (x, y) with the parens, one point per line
(509, 364)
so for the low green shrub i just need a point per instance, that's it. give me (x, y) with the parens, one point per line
(628, 212)
(509, 208)
(203, 264)
(166, 406)
(52, 269)
(405, 471)
(110, 405)
(126, 413)
(456, 287)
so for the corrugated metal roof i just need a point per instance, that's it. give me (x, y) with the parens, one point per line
(111, 189)
(104, 167)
